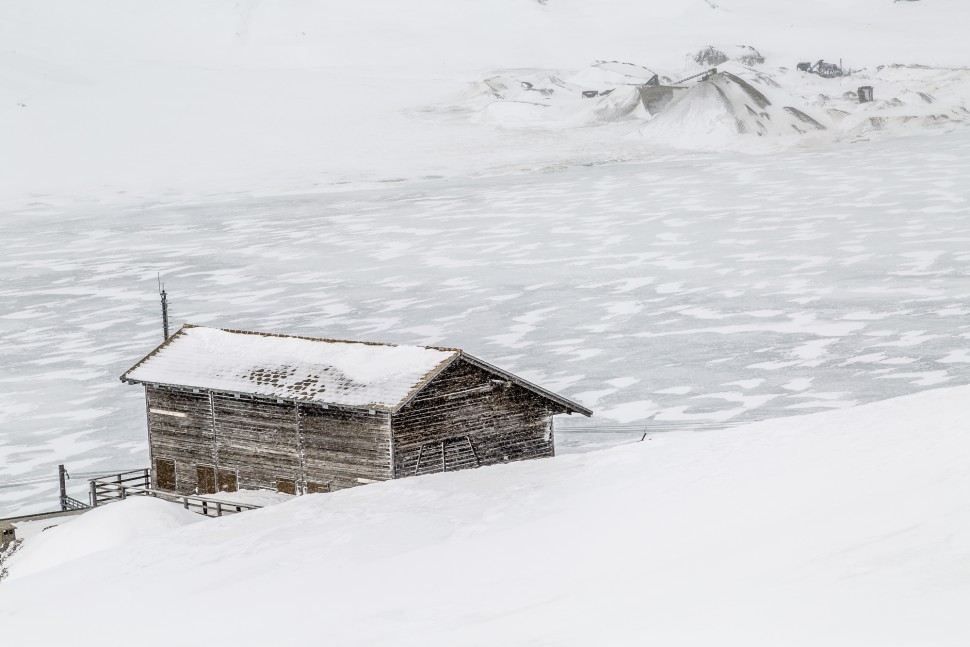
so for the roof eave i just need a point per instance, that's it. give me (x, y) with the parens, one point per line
(567, 404)
(371, 407)
(417, 388)
(124, 376)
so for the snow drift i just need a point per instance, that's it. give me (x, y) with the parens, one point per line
(102, 529)
(844, 528)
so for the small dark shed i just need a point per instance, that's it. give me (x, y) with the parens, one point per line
(230, 409)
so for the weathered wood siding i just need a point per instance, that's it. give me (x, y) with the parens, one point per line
(465, 418)
(258, 440)
(185, 437)
(255, 444)
(340, 447)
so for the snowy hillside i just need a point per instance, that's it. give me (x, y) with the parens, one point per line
(845, 528)
(119, 101)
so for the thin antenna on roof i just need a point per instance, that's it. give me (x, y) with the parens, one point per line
(161, 291)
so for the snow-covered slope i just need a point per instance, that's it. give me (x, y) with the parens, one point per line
(844, 528)
(76, 538)
(107, 100)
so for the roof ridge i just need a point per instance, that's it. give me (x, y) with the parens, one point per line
(327, 340)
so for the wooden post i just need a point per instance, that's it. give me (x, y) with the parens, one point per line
(124, 492)
(301, 486)
(93, 494)
(218, 509)
(185, 501)
(147, 481)
(62, 479)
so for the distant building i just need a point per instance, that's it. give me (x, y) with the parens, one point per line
(230, 410)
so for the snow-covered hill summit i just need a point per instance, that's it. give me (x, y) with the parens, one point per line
(845, 528)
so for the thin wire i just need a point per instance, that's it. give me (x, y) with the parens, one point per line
(43, 479)
(23, 483)
(639, 429)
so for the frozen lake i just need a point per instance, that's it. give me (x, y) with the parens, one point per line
(707, 288)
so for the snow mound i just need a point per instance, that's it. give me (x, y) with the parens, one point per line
(725, 106)
(713, 56)
(541, 99)
(100, 529)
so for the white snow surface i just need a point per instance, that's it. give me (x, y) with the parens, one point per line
(293, 368)
(102, 529)
(844, 528)
(251, 497)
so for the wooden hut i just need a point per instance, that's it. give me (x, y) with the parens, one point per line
(229, 409)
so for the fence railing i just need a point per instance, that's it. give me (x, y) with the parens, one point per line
(138, 483)
(107, 489)
(70, 503)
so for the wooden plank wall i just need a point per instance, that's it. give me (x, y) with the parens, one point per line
(501, 423)
(264, 443)
(340, 447)
(187, 439)
(257, 439)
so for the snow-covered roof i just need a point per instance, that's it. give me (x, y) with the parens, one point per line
(326, 371)
(353, 374)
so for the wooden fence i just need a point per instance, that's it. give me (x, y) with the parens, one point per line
(108, 489)
(118, 487)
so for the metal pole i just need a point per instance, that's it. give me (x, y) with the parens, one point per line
(62, 478)
(165, 313)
